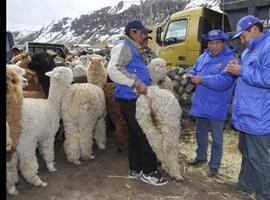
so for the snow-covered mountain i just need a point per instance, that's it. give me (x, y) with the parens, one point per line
(107, 23)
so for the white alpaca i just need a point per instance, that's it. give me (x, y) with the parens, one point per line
(83, 112)
(40, 123)
(85, 60)
(79, 74)
(159, 114)
(20, 72)
(157, 68)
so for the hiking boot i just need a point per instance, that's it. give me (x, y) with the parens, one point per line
(154, 178)
(134, 174)
(212, 172)
(196, 161)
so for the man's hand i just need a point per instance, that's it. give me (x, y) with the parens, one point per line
(233, 68)
(196, 80)
(141, 89)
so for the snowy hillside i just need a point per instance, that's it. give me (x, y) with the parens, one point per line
(107, 23)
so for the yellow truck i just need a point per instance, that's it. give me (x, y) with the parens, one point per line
(179, 39)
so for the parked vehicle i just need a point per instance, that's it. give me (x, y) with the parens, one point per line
(36, 47)
(178, 41)
(9, 45)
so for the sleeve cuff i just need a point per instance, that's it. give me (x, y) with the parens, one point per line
(136, 83)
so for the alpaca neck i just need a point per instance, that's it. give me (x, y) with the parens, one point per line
(56, 92)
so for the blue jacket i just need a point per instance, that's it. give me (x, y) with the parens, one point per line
(211, 98)
(138, 67)
(251, 106)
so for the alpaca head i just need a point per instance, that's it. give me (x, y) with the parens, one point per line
(60, 75)
(157, 68)
(20, 72)
(79, 71)
(85, 60)
(13, 83)
(33, 82)
(95, 58)
(96, 62)
(26, 59)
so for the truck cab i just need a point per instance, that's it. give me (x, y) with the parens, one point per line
(179, 39)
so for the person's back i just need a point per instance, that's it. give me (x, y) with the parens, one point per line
(251, 107)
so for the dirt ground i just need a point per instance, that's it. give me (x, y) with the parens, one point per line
(105, 178)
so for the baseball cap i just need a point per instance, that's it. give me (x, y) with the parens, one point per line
(245, 23)
(215, 34)
(136, 25)
(16, 46)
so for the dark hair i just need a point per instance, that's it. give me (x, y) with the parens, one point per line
(127, 34)
(259, 25)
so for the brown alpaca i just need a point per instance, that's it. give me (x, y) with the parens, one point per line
(116, 116)
(34, 89)
(22, 60)
(96, 71)
(70, 58)
(14, 103)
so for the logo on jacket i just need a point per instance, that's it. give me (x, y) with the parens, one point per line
(218, 65)
(253, 55)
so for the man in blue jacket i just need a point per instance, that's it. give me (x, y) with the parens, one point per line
(211, 99)
(131, 76)
(251, 107)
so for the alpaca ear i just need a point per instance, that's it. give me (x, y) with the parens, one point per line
(57, 76)
(49, 74)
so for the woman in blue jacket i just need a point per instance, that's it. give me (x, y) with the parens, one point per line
(211, 100)
(251, 107)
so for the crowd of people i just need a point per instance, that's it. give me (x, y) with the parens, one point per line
(218, 74)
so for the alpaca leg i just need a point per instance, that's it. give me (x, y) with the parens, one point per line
(72, 149)
(47, 149)
(121, 132)
(86, 144)
(28, 162)
(12, 174)
(100, 133)
(170, 159)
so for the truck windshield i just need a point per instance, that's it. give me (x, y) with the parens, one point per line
(176, 32)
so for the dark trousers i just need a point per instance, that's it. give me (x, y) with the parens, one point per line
(255, 167)
(140, 153)
(203, 126)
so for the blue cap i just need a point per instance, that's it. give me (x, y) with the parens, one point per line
(136, 25)
(215, 34)
(245, 23)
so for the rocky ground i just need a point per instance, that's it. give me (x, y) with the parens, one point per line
(105, 178)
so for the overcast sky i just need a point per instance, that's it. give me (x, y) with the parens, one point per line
(27, 14)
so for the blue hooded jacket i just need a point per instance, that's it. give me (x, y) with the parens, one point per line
(251, 107)
(211, 98)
